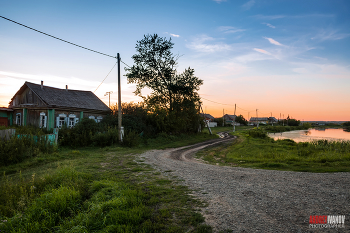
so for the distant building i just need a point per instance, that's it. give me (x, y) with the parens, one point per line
(207, 117)
(5, 116)
(49, 107)
(262, 120)
(229, 119)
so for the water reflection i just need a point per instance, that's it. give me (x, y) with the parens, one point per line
(346, 129)
(314, 134)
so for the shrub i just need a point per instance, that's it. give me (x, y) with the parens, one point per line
(21, 146)
(131, 139)
(257, 133)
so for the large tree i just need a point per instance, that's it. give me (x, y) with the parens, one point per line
(173, 98)
(155, 68)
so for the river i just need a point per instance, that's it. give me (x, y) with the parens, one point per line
(313, 134)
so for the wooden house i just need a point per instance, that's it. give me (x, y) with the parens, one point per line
(5, 116)
(229, 119)
(49, 107)
(207, 117)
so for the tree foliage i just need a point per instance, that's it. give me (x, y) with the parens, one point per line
(240, 119)
(173, 100)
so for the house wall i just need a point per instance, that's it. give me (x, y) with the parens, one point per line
(33, 116)
(28, 98)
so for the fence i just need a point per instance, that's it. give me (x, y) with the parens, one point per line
(50, 138)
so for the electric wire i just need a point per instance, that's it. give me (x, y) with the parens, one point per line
(98, 53)
(106, 76)
(57, 37)
(216, 102)
(125, 63)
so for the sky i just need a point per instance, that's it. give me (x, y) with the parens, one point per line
(269, 57)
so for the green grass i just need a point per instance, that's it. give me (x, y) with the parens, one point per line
(265, 153)
(97, 190)
(216, 130)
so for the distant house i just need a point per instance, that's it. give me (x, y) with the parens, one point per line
(229, 119)
(207, 117)
(263, 120)
(272, 120)
(49, 107)
(5, 116)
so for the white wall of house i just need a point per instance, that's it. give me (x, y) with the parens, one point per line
(212, 124)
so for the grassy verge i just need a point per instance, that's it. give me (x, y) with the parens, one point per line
(265, 153)
(97, 190)
(216, 130)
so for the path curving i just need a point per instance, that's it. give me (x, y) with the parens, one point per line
(256, 200)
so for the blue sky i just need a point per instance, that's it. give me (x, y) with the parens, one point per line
(281, 57)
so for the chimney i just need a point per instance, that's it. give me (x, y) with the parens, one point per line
(42, 84)
(66, 87)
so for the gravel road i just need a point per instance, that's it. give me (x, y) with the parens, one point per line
(254, 200)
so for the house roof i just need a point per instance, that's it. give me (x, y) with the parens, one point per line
(6, 109)
(263, 119)
(205, 115)
(259, 119)
(57, 97)
(232, 117)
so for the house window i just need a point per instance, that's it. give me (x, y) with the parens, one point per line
(99, 119)
(43, 120)
(71, 120)
(92, 118)
(61, 120)
(18, 119)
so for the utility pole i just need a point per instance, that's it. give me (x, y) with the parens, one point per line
(120, 128)
(234, 120)
(257, 120)
(279, 119)
(283, 119)
(109, 96)
(248, 117)
(206, 120)
(223, 117)
(271, 119)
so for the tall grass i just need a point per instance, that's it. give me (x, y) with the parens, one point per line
(20, 147)
(255, 149)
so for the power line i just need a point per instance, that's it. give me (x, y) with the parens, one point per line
(216, 102)
(125, 63)
(57, 38)
(106, 76)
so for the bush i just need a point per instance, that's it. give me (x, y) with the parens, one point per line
(257, 133)
(80, 135)
(347, 124)
(106, 138)
(131, 139)
(19, 147)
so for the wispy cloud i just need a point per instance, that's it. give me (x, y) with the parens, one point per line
(219, 1)
(269, 25)
(272, 17)
(229, 29)
(330, 34)
(206, 44)
(174, 35)
(272, 41)
(10, 82)
(262, 51)
(269, 17)
(248, 5)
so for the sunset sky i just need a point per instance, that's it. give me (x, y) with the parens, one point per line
(288, 57)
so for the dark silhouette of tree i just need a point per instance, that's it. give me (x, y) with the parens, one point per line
(174, 95)
(240, 119)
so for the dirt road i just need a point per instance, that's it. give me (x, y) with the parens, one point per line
(254, 200)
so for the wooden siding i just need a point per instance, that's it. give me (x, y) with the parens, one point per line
(28, 99)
